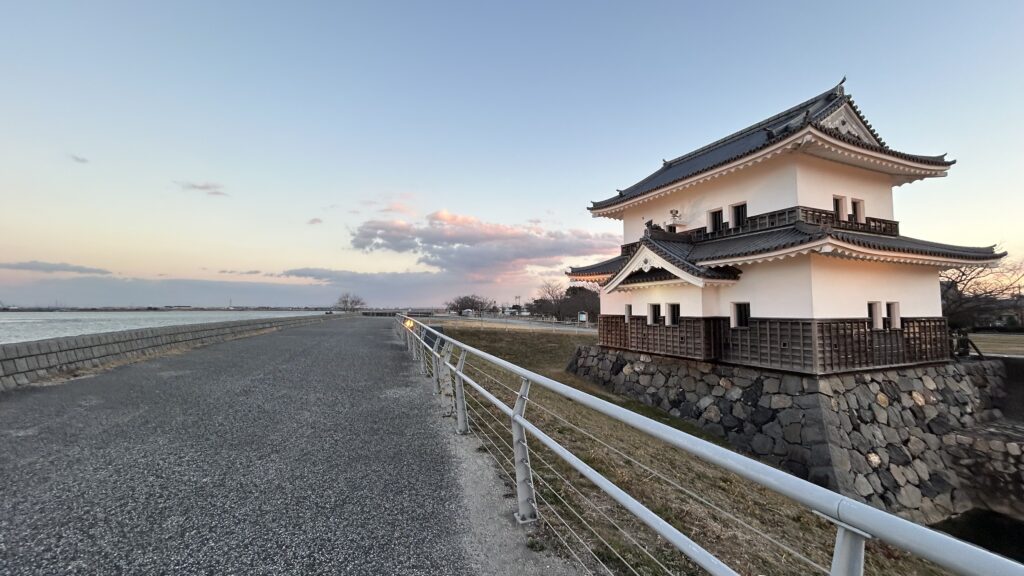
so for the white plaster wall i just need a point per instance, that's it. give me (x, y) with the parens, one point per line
(813, 286)
(765, 187)
(842, 288)
(615, 303)
(779, 289)
(689, 298)
(783, 182)
(818, 180)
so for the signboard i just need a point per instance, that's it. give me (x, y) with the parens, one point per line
(582, 317)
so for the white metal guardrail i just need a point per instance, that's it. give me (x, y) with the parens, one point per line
(855, 522)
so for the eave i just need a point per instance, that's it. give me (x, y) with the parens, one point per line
(838, 249)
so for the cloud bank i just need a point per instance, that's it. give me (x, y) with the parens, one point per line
(464, 254)
(52, 267)
(473, 249)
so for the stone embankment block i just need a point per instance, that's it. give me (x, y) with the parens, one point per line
(880, 437)
(24, 363)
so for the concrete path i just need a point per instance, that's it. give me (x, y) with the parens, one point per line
(313, 450)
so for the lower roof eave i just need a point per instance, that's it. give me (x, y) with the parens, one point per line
(831, 247)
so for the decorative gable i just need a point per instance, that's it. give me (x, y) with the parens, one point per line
(847, 122)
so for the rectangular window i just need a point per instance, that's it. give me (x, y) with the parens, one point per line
(875, 315)
(739, 215)
(629, 312)
(653, 313)
(715, 221)
(857, 211)
(839, 207)
(673, 315)
(892, 310)
(741, 314)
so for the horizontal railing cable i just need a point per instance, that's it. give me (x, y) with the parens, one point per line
(554, 531)
(661, 476)
(554, 491)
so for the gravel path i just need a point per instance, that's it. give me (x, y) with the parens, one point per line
(313, 450)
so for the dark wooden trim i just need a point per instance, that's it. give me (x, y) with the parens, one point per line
(788, 216)
(810, 346)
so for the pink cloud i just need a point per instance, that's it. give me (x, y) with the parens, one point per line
(313, 221)
(477, 250)
(396, 207)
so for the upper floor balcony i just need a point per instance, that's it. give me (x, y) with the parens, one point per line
(793, 215)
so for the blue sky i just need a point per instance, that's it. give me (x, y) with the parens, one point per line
(185, 147)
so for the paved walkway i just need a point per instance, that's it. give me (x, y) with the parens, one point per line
(310, 450)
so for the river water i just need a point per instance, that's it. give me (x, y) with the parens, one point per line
(25, 326)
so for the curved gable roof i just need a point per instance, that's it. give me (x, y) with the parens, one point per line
(761, 135)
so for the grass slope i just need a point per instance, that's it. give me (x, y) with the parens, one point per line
(738, 521)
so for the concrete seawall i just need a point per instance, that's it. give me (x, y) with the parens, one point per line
(23, 363)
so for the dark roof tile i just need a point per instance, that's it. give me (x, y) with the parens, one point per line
(758, 136)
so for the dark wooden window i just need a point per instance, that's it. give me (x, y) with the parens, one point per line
(856, 210)
(673, 315)
(741, 315)
(653, 313)
(715, 221)
(875, 315)
(739, 215)
(838, 207)
(892, 311)
(629, 312)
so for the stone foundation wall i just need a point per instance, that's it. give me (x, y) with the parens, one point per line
(879, 437)
(989, 459)
(23, 363)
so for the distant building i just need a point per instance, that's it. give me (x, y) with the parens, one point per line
(777, 247)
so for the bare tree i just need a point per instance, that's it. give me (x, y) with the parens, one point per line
(552, 291)
(469, 302)
(349, 301)
(971, 293)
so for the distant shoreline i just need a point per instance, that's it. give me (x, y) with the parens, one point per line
(173, 309)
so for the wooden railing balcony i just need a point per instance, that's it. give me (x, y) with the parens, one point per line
(788, 216)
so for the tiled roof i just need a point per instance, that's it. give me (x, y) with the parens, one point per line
(607, 267)
(762, 135)
(802, 233)
(688, 255)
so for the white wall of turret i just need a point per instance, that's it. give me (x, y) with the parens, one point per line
(785, 181)
(806, 286)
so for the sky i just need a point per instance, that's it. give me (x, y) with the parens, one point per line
(280, 153)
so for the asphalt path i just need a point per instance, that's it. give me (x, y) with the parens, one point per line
(311, 450)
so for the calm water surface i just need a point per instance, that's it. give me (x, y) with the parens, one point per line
(25, 326)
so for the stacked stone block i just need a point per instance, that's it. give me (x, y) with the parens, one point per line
(878, 437)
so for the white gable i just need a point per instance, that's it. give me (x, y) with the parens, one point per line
(846, 122)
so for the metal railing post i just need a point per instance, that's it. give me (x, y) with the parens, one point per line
(434, 357)
(524, 475)
(448, 347)
(461, 423)
(848, 556)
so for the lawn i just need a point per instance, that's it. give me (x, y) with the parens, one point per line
(997, 343)
(753, 530)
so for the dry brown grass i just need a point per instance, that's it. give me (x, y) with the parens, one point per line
(995, 343)
(699, 499)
